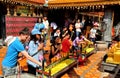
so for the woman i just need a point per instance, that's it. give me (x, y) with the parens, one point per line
(57, 32)
(78, 41)
(39, 25)
(71, 31)
(66, 45)
(55, 48)
(35, 50)
(64, 32)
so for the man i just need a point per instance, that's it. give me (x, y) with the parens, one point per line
(46, 24)
(9, 63)
(46, 29)
(78, 27)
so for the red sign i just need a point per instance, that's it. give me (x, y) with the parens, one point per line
(16, 24)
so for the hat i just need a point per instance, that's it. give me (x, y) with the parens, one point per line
(96, 24)
(35, 31)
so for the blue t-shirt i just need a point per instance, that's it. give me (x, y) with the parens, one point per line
(14, 48)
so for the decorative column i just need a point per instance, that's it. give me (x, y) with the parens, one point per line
(23, 14)
(41, 15)
(15, 12)
(34, 15)
(37, 12)
(8, 11)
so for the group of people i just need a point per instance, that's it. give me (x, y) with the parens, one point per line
(31, 44)
(74, 29)
(76, 38)
(9, 64)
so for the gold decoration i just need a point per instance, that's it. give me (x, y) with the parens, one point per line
(8, 11)
(15, 13)
(34, 15)
(41, 15)
(23, 14)
(29, 15)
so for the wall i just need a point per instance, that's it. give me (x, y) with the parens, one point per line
(16, 23)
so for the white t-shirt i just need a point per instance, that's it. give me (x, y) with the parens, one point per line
(46, 23)
(78, 27)
(54, 25)
(93, 33)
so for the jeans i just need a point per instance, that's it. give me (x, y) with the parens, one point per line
(7, 71)
(92, 39)
(77, 34)
(78, 50)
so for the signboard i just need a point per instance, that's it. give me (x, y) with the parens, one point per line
(22, 9)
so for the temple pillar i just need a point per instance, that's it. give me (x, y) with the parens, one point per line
(108, 20)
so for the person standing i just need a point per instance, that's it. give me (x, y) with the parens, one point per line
(93, 32)
(46, 29)
(39, 25)
(46, 23)
(35, 50)
(71, 30)
(78, 27)
(9, 64)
